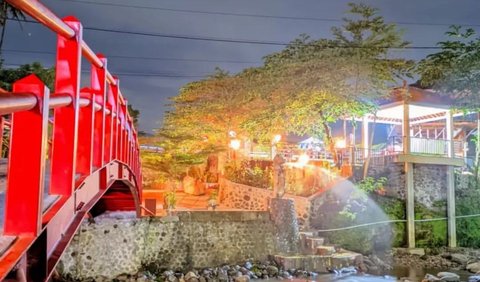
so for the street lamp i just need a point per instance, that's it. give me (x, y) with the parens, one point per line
(303, 160)
(277, 138)
(235, 145)
(340, 144)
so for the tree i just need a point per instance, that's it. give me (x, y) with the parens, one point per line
(134, 113)
(9, 76)
(316, 82)
(454, 71)
(301, 89)
(7, 11)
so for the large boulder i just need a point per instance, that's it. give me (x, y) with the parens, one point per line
(474, 267)
(448, 276)
(460, 259)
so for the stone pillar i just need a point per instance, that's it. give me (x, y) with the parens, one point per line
(409, 188)
(283, 215)
(452, 228)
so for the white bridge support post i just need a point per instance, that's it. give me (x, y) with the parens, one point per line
(452, 228)
(410, 197)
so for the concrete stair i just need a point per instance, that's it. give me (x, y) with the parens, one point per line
(316, 256)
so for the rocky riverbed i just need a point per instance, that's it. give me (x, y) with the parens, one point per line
(445, 264)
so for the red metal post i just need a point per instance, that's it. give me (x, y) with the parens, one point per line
(129, 138)
(115, 93)
(107, 154)
(99, 86)
(85, 134)
(121, 128)
(126, 129)
(2, 129)
(65, 128)
(26, 168)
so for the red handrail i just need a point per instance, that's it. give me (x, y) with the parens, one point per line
(94, 144)
(42, 14)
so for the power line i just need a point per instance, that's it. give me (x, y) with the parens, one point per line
(229, 40)
(253, 15)
(145, 74)
(140, 58)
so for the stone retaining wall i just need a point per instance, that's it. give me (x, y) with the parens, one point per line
(239, 196)
(111, 247)
(429, 181)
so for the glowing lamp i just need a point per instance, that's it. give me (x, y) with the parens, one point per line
(277, 138)
(341, 144)
(303, 160)
(235, 144)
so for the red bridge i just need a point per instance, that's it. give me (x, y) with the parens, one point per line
(80, 162)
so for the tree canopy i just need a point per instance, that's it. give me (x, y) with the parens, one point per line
(301, 89)
(10, 75)
(455, 69)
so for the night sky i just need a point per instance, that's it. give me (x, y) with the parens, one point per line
(152, 68)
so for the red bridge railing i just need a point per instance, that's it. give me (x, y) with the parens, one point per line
(93, 144)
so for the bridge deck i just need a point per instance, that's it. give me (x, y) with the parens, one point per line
(48, 200)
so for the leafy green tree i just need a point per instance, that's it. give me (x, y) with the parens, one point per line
(7, 11)
(302, 89)
(134, 113)
(454, 71)
(9, 76)
(313, 83)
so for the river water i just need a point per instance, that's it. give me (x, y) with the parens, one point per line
(396, 274)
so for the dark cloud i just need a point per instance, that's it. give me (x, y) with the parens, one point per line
(151, 93)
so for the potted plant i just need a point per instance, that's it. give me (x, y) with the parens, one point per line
(170, 201)
(212, 201)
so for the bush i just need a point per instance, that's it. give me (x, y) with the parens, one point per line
(249, 174)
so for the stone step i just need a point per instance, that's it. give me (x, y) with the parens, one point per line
(311, 244)
(325, 250)
(303, 235)
(318, 263)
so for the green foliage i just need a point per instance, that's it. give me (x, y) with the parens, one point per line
(134, 114)
(454, 69)
(7, 11)
(357, 201)
(468, 203)
(430, 233)
(8, 76)
(251, 175)
(171, 199)
(366, 239)
(301, 89)
(370, 184)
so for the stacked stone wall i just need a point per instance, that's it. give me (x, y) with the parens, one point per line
(239, 196)
(430, 181)
(112, 247)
